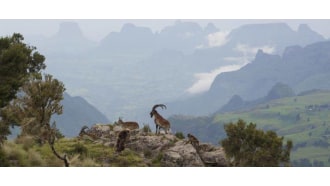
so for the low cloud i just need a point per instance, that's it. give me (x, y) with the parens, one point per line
(249, 50)
(204, 80)
(215, 39)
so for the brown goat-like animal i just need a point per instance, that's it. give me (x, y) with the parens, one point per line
(121, 140)
(131, 125)
(193, 140)
(159, 120)
(91, 133)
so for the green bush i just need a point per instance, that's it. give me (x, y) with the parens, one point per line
(3, 159)
(246, 145)
(79, 148)
(35, 159)
(156, 162)
(146, 128)
(147, 153)
(17, 156)
(179, 135)
(127, 158)
(27, 141)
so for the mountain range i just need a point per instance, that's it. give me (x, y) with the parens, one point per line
(129, 71)
(302, 68)
(77, 112)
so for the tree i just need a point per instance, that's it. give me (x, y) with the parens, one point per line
(32, 110)
(17, 62)
(247, 146)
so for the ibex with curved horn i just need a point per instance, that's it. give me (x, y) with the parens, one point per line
(159, 120)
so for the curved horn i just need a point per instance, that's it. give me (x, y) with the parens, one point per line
(159, 105)
(84, 127)
(82, 130)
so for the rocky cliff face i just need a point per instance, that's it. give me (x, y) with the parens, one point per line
(164, 150)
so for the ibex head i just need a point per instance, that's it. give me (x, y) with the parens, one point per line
(120, 120)
(153, 111)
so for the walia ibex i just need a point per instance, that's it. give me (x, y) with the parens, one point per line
(121, 140)
(193, 141)
(92, 132)
(159, 120)
(131, 125)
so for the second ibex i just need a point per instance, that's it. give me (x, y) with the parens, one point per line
(159, 120)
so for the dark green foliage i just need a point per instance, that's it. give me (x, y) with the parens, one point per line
(3, 159)
(17, 62)
(26, 141)
(147, 153)
(179, 135)
(247, 146)
(58, 134)
(156, 162)
(79, 148)
(33, 110)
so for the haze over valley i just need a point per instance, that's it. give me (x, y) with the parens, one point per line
(128, 71)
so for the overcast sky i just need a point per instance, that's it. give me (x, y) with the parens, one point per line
(46, 15)
(96, 29)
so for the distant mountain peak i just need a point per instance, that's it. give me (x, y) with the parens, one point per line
(280, 90)
(304, 28)
(210, 28)
(69, 29)
(291, 52)
(128, 27)
(182, 27)
(261, 56)
(307, 32)
(260, 52)
(262, 27)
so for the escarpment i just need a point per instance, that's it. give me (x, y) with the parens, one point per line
(164, 150)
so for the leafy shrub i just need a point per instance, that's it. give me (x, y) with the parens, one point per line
(146, 128)
(35, 159)
(27, 141)
(147, 153)
(127, 158)
(246, 145)
(17, 156)
(79, 148)
(157, 160)
(85, 162)
(3, 159)
(179, 135)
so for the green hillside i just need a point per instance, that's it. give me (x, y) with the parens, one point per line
(304, 119)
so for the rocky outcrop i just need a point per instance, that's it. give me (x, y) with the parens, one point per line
(175, 152)
(165, 150)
